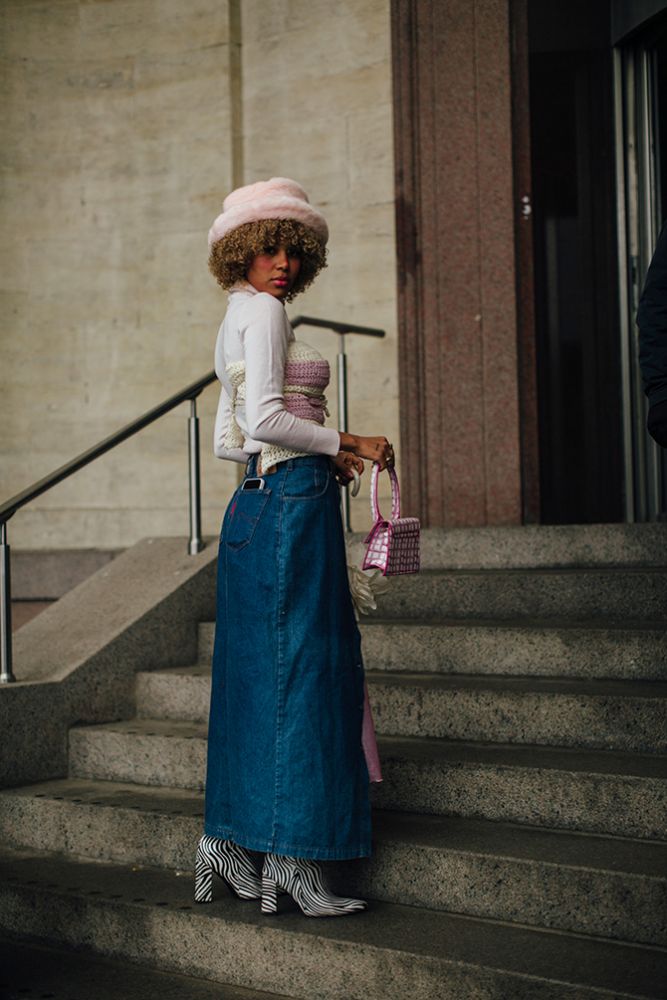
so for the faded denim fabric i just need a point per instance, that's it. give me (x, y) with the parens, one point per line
(286, 771)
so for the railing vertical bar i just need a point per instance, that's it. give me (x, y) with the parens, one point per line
(342, 416)
(6, 673)
(196, 543)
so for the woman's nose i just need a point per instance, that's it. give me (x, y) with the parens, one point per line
(281, 258)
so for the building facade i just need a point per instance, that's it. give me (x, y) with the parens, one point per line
(530, 164)
(493, 178)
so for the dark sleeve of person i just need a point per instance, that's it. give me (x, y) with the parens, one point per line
(652, 323)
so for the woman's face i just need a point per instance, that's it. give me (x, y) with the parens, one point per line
(274, 271)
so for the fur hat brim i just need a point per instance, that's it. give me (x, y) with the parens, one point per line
(278, 198)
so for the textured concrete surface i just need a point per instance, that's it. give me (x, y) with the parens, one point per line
(573, 882)
(151, 752)
(24, 611)
(606, 886)
(529, 546)
(183, 693)
(605, 792)
(47, 574)
(598, 714)
(604, 715)
(576, 595)
(386, 953)
(105, 821)
(76, 661)
(116, 156)
(598, 792)
(34, 970)
(536, 649)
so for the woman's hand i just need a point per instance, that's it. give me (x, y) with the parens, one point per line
(345, 461)
(375, 449)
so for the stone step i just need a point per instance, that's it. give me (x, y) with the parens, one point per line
(595, 714)
(34, 970)
(594, 791)
(589, 791)
(176, 693)
(537, 648)
(610, 887)
(576, 595)
(394, 950)
(142, 751)
(599, 715)
(562, 545)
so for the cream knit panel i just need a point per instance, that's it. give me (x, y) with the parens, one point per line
(271, 454)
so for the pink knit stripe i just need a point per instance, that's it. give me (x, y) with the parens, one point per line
(310, 373)
(306, 407)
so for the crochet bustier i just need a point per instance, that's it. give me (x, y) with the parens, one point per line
(306, 378)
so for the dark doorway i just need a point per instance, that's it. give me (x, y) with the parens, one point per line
(641, 89)
(576, 262)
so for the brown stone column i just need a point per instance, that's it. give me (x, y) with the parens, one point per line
(455, 212)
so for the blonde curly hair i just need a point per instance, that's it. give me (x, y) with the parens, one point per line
(230, 257)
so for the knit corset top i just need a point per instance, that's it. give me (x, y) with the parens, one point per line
(306, 377)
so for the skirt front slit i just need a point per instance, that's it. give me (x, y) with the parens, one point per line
(286, 770)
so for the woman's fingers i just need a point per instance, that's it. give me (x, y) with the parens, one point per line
(376, 449)
(348, 466)
(385, 454)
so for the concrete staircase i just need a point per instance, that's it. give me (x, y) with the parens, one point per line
(520, 834)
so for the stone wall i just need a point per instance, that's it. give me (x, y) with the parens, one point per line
(125, 125)
(317, 106)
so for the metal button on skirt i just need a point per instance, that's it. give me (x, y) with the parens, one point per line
(286, 770)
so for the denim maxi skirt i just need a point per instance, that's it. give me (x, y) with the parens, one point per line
(286, 771)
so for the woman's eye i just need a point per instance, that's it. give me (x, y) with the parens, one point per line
(270, 251)
(293, 252)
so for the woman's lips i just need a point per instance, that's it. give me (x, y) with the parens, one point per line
(280, 281)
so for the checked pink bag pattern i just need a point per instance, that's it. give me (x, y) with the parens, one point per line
(393, 545)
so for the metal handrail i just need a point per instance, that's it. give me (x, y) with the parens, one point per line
(9, 508)
(191, 392)
(195, 544)
(342, 328)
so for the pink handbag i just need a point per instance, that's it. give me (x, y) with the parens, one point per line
(393, 545)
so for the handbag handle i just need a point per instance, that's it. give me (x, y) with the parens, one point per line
(395, 493)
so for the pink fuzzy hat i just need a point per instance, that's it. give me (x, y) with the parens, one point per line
(279, 198)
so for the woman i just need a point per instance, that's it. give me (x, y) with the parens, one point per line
(286, 773)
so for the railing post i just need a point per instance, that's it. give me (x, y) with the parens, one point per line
(196, 544)
(342, 415)
(6, 675)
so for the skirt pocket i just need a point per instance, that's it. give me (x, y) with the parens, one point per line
(244, 514)
(306, 481)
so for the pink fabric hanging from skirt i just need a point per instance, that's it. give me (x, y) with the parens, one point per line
(369, 742)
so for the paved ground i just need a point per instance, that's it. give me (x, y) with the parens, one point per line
(31, 971)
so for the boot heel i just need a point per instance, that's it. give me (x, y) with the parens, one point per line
(269, 894)
(203, 880)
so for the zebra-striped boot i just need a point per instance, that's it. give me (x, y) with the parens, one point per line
(230, 862)
(302, 879)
